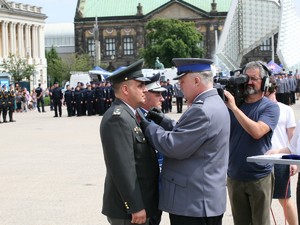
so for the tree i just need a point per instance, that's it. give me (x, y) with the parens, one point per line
(59, 69)
(55, 68)
(18, 68)
(170, 38)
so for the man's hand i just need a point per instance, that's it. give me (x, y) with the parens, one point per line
(293, 169)
(272, 151)
(156, 115)
(139, 217)
(230, 102)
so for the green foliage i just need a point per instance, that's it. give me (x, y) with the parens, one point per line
(55, 68)
(170, 38)
(47, 101)
(59, 69)
(18, 68)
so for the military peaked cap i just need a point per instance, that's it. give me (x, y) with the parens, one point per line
(191, 65)
(131, 72)
(154, 84)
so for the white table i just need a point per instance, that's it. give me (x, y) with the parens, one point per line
(275, 159)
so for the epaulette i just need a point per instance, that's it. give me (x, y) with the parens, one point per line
(117, 111)
(199, 102)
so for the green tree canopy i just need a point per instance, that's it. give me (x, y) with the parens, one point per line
(55, 68)
(59, 68)
(18, 68)
(170, 38)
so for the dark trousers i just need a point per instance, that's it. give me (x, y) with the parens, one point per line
(11, 109)
(170, 103)
(40, 101)
(69, 108)
(57, 106)
(4, 113)
(179, 102)
(113, 221)
(155, 220)
(187, 220)
(101, 106)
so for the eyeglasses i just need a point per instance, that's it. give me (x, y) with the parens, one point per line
(254, 78)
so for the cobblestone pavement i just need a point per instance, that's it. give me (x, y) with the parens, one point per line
(52, 171)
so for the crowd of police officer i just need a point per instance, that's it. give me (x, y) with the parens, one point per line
(167, 95)
(286, 88)
(90, 99)
(7, 103)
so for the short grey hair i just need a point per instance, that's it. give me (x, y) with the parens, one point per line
(257, 65)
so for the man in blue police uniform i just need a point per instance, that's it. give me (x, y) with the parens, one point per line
(131, 183)
(195, 151)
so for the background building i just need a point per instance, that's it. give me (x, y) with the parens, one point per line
(60, 36)
(119, 25)
(22, 35)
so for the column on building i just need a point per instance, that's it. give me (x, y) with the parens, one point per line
(28, 41)
(21, 40)
(41, 36)
(12, 31)
(4, 43)
(34, 42)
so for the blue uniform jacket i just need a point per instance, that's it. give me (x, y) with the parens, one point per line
(195, 158)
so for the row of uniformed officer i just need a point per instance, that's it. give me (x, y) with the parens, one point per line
(7, 103)
(95, 99)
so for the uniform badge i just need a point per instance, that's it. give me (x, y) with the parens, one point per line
(117, 111)
(137, 129)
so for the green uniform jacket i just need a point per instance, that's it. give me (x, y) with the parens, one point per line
(131, 182)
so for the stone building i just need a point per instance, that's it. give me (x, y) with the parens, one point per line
(113, 31)
(22, 35)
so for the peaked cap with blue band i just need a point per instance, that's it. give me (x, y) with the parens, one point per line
(191, 65)
(131, 72)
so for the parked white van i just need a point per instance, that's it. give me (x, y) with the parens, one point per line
(84, 77)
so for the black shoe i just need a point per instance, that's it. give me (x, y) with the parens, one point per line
(5, 121)
(12, 121)
(55, 116)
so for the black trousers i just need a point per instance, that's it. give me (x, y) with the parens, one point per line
(113, 221)
(57, 106)
(187, 220)
(179, 103)
(40, 101)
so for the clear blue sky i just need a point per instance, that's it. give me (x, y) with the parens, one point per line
(64, 10)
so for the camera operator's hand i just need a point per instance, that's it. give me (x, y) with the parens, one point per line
(230, 100)
(156, 115)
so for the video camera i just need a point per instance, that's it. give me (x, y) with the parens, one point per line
(235, 84)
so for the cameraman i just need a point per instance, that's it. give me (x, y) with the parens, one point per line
(250, 185)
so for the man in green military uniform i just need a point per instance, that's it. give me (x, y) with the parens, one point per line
(131, 183)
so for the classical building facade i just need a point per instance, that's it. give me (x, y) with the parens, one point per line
(22, 35)
(114, 35)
